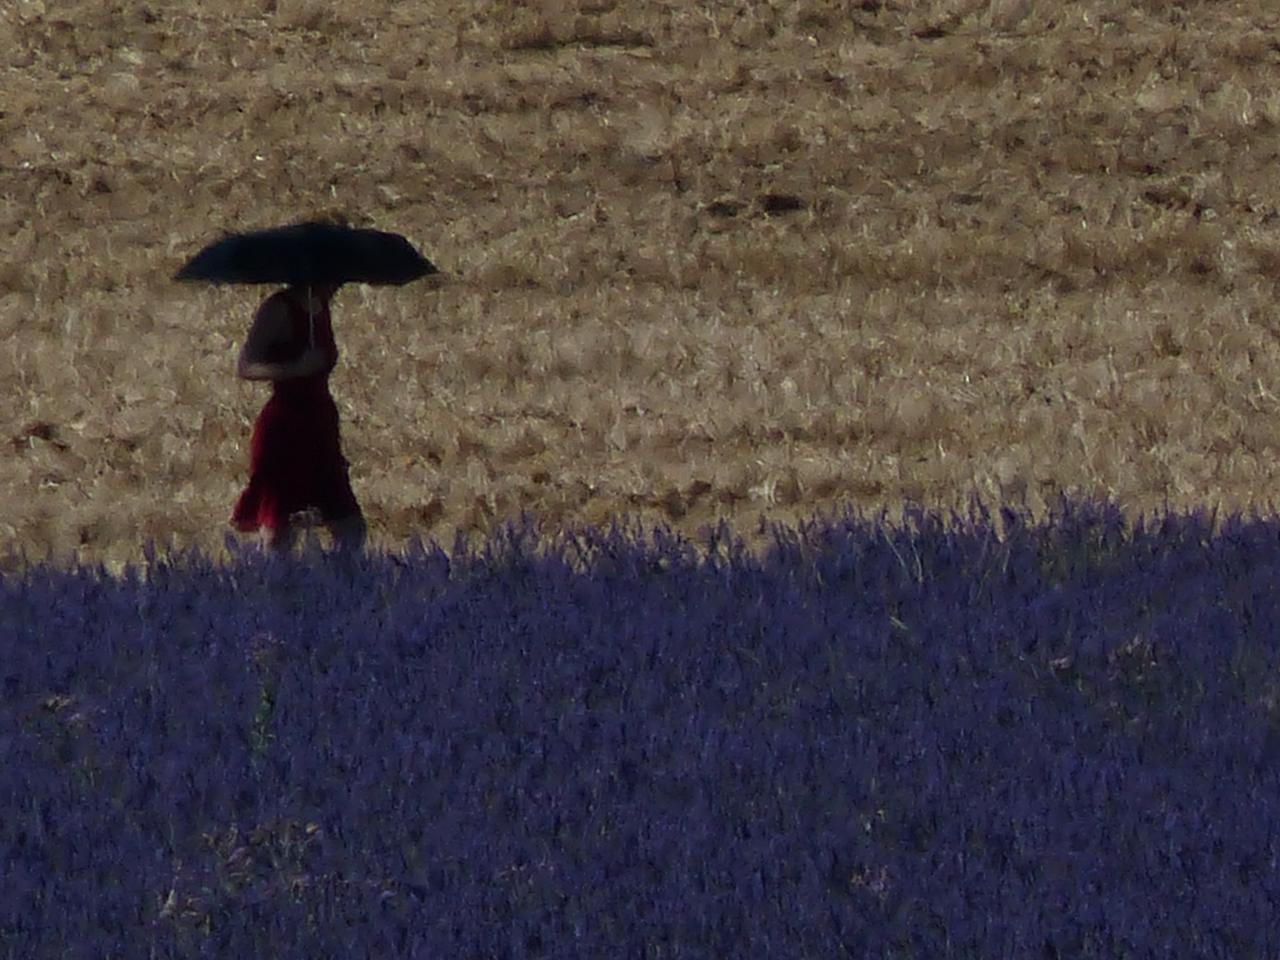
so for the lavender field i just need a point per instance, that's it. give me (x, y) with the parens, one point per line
(875, 739)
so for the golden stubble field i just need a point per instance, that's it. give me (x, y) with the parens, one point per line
(709, 260)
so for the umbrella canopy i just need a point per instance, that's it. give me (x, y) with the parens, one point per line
(309, 253)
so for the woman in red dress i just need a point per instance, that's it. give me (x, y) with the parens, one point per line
(296, 461)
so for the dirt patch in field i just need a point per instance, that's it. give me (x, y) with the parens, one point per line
(743, 260)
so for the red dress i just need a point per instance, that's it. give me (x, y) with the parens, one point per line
(296, 460)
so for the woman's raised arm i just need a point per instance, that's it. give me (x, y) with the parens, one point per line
(271, 336)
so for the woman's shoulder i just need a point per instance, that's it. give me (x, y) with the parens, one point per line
(274, 323)
(281, 312)
(280, 303)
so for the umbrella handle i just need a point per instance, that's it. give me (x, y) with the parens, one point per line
(311, 318)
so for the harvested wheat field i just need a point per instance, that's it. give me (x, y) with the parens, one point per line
(725, 260)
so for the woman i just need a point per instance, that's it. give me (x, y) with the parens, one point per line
(296, 460)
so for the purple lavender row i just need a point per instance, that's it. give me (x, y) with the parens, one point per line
(914, 739)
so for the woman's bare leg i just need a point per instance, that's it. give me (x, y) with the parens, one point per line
(348, 532)
(279, 539)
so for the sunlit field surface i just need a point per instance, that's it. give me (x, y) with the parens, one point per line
(706, 260)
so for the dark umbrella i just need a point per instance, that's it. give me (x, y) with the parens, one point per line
(309, 253)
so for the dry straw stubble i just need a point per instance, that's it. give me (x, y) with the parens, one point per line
(735, 260)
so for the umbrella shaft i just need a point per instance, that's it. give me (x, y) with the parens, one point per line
(311, 318)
